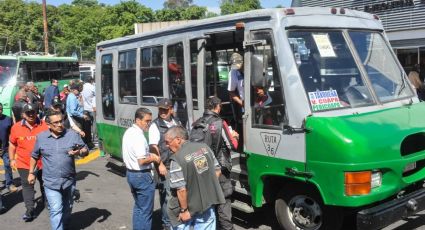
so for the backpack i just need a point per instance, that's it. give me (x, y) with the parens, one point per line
(200, 132)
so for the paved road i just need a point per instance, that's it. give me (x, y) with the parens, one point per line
(106, 204)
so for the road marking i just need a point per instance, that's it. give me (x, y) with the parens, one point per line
(92, 156)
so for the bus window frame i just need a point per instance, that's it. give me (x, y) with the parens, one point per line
(250, 94)
(151, 66)
(112, 54)
(126, 70)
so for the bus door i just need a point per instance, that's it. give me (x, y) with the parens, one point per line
(179, 82)
(219, 47)
(265, 108)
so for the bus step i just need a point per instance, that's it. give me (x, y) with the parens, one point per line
(241, 206)
(239, 170)
(115, 162)
(240, 188)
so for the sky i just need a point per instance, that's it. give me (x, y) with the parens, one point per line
(212, 5)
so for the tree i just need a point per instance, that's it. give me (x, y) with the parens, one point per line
(166, 15)
(88, 3)
(175, 4)
(193, 12)
(236, 6)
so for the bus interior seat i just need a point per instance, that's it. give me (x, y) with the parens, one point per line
(309, 78)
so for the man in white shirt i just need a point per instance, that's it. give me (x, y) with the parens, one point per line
(139, 163)
(88, 95)
(236, 79)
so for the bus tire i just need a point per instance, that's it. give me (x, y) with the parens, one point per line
(298, 209)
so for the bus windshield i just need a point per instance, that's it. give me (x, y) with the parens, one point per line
(7, 71)
(331, 77)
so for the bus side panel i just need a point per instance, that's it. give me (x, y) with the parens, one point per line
(111, 136)
(260, 166)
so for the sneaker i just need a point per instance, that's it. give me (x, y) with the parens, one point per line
(28, 216)
(12, 188)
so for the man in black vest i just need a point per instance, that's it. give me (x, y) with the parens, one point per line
(195, 189)
(223, 140)
(157, 145)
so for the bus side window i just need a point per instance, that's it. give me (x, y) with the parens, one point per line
(176, 81)
(127, 77)
(267, 101)
(151, 75)
(107, 89)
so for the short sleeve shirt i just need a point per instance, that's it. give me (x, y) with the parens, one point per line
(58, 165)
(134, 147)
(236, 81)
(24, 137)
(155, 135)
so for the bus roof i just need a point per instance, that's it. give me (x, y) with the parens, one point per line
(301, 17)
(39, 58)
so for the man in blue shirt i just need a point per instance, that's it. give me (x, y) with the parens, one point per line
(51, 93)
(5, 126)
(57, 148)
(74, 107)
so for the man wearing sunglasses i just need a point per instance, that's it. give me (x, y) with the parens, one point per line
(57, 148)
(21, 142)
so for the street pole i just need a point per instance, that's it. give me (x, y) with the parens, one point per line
(46, 37)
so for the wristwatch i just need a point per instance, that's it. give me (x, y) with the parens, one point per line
(183, 210)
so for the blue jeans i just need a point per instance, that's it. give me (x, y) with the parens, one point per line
(203, 221)
(142, 187)
(60, 204)
(7, 169)
(164, 196)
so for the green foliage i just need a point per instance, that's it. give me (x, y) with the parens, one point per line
(236, 6)
(176, 4)
(79, 26)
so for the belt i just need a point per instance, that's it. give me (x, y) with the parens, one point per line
(141, 171)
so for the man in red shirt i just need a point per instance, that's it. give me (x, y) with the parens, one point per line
(22, 140)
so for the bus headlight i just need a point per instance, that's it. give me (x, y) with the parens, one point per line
(376, 180)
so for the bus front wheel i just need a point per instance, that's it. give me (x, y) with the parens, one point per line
(298, 209)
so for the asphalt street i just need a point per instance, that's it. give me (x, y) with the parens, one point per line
(106, 204)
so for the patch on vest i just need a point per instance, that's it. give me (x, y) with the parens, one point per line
(196, 154)
(201, 164)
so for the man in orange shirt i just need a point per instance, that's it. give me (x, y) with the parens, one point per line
(22, 140)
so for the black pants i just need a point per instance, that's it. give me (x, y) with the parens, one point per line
(87, 129)
(224, 211)
(28, 189)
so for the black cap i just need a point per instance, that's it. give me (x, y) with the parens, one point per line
(28, 108)
(165, 103)
(56, 103)
(75, 86)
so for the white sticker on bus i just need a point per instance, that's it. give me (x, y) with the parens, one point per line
(324, 45)
(323, 100)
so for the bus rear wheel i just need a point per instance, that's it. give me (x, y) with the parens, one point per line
(305, 211)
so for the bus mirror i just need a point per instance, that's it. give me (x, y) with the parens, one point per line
(259, 76)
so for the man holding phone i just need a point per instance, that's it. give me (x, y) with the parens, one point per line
(57, 149)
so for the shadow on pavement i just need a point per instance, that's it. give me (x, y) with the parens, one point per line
(84, 219)
(10, 200)
(81, 175)
(156, 219)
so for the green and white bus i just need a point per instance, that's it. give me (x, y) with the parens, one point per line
(25, 67)
(344, 133)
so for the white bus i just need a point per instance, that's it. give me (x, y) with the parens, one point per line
(344, 129)
(87, 71)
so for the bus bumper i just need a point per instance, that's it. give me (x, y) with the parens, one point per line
(389, 212)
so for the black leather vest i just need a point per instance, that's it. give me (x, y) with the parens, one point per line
(164, 151)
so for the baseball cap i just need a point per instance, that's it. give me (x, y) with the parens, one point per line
(28, 108)
(165, 103)
(236, 59)
(65, 85)
(56, 102)
(75, 86)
